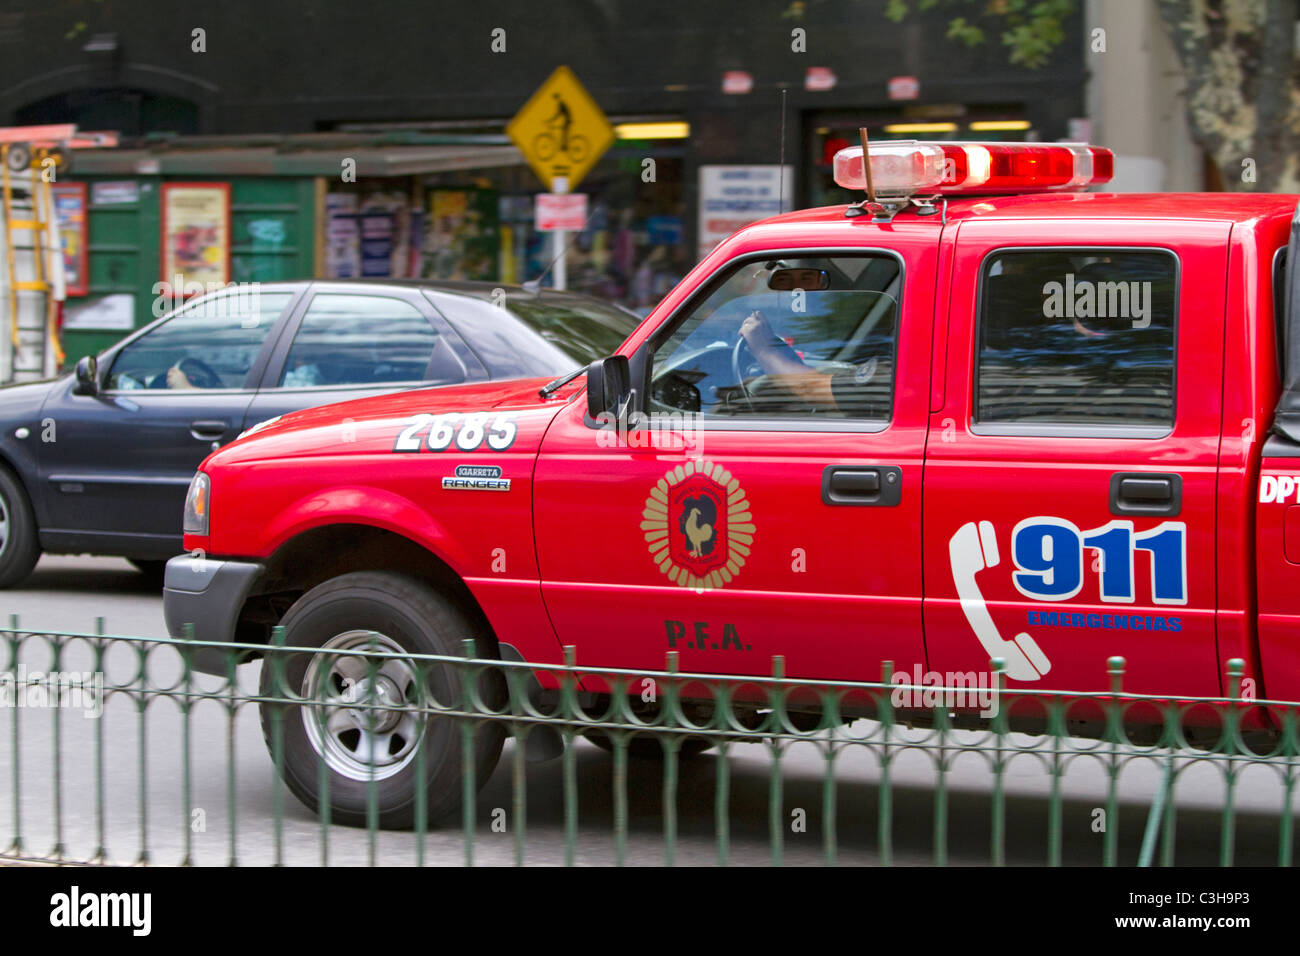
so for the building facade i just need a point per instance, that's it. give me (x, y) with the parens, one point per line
(748, 101)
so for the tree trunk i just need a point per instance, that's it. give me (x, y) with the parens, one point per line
(1243, 99)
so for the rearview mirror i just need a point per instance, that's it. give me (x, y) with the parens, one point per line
(609, 383)
(87, 375)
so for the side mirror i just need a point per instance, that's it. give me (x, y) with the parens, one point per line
(609, 383)
(87, 375)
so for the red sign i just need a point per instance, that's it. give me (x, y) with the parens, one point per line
(904, 88)
(819, 78)
(70, 213)
(737, 81)
(556, 211)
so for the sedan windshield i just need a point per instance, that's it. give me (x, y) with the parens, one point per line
(583, 328)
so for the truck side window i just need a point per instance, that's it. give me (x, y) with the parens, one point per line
(1077, 337)
(788, 338)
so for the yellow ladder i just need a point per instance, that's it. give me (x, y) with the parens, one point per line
(40, 226)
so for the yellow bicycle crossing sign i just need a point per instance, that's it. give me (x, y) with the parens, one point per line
(561, 131)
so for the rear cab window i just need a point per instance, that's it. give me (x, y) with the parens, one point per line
(1077, 337)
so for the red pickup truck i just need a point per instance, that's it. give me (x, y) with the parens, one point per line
(984, 414)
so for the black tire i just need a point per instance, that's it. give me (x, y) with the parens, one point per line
(416, 619)
(648, 747)
(153, 570)
(20, 548)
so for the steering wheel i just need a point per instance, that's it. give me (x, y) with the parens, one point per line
(199, 373)
(737, 367)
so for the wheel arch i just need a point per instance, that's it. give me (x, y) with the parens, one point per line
(8, 463)
(319, 554)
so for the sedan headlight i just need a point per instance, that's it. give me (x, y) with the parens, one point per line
(196, 505)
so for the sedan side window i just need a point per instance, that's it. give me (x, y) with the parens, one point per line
(211, 343)
(367, 340)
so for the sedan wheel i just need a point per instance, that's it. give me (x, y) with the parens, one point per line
(19, 547)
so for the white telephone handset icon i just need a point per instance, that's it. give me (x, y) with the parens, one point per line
(971, 550)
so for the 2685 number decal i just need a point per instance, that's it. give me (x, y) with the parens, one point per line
(466, 432)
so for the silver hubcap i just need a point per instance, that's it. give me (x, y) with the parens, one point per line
(354, 726)
(4, 524)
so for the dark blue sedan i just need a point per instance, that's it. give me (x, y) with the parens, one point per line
(98, 461)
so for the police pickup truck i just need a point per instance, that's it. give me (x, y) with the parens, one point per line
(985, 414)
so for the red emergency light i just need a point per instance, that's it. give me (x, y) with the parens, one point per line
(900, 169)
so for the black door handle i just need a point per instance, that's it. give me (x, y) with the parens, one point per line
(1145, 493)
(210, 430)
(878, 485)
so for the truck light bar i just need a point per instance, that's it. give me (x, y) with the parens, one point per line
(903, 169)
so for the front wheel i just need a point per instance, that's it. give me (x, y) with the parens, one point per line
(19, 546)
(381, 748)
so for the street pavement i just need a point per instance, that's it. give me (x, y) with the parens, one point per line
(145, 752)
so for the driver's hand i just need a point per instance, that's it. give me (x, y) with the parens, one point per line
(176, 378)
(756, 330)
(1084, 330)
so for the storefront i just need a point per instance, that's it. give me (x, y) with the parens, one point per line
(218, 209)
(458, 204)
(214, 210)
(633, 249)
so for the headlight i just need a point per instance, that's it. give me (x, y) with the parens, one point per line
(196, 505)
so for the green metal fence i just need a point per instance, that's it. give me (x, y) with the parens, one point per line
(114, 750)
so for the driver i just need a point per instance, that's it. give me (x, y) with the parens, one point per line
(781, 363)
(188, 373)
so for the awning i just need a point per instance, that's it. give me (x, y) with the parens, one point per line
(371, 160)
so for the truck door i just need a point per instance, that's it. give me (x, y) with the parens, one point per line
(1071, 466)
(770, 504)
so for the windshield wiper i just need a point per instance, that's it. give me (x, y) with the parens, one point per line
(560, 382)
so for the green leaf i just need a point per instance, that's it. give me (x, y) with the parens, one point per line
(968, 33)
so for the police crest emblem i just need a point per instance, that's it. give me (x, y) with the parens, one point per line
(698, 526)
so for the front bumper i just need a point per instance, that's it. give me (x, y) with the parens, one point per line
(208, 594)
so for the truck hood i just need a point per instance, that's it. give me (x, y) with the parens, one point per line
(373, 425)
